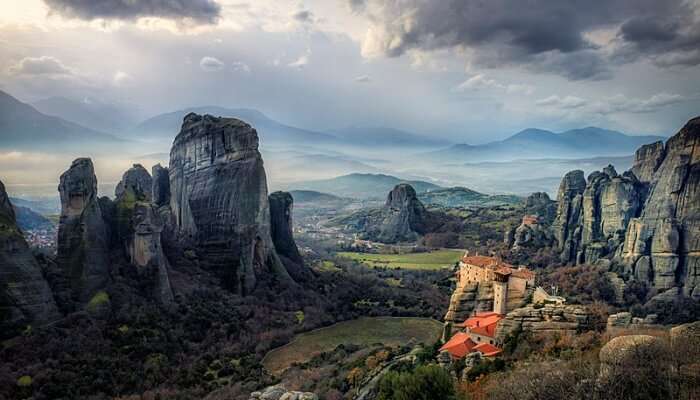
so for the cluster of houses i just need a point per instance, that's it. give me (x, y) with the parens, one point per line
(511, 286)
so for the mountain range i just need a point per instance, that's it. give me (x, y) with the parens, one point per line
(539, 143)
(24, 127)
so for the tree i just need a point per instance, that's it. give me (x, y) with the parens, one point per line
(428, 382)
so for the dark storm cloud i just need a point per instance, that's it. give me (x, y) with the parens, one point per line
(674, 40)
(201, 11)
(546, 34)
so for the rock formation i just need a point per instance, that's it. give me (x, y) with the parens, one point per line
(145, 250)
(278, 392)
(83, 237)
(647, 219)
(662, 245)
(25, 296)
(551, 318)
(281, 204)
(532, 232)
(403, 218)
(160, 192)
(592, 216)
(219, 200)
(136, 185)
(473, 297)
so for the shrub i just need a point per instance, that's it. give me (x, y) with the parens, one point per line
(425, 383)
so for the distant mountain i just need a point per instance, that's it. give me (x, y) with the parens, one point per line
(46, 206)
(270, 131)
(383, 136)
(23, 127)
(464, 197)
(361, 186)
(538, 143)
(28, 219)
(311, 196)
(90, 113)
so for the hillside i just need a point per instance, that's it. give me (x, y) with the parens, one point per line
(310, 196)
(538, 143)
(90, 113)
(361, 186)
(23, 127)
(464, 197)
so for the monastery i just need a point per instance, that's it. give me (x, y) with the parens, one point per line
(483, 280)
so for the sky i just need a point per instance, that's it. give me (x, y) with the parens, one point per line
(467, 70)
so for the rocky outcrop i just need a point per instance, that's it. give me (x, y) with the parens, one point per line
(160, 192)
(470, 298)
(566, 226)
(280, 393)
(532, 232)
(647, 220)
(540, 204)
(25, 296)
(663, 244)
(403, 218)
(592, 218)
(219, 200)
(83, 238)
(647, 160)
(136, 185)
(145, 251)
(281, 204)
(550, 318)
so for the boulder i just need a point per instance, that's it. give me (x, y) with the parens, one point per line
(83, 238)
(25, 296)
(219, 201)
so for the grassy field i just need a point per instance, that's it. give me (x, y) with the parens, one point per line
(431, 260)
(362, 331)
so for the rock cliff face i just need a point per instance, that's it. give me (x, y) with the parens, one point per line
(145, 250)
(662, 245)
(592, 217)
(473, 297)
(219, 200)
(551, 318)
(25, 296)
(281, 204)
(83, 239)
(647, 219)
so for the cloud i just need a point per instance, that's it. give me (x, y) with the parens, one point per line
(668, 41)
(567, 102)
(302, 61)
(363, 79)
(547, 36)
(211, 64)
(240, 66)
(199, 11)
(615, 104)
(481, 82)
(44, 65)
(621, 103)
(121, 79)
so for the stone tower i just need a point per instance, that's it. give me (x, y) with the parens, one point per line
(500, 291)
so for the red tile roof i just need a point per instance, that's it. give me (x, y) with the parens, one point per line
(459, 345)
(487, 349)
(483, 323)
(523, 273)
(483, 261)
